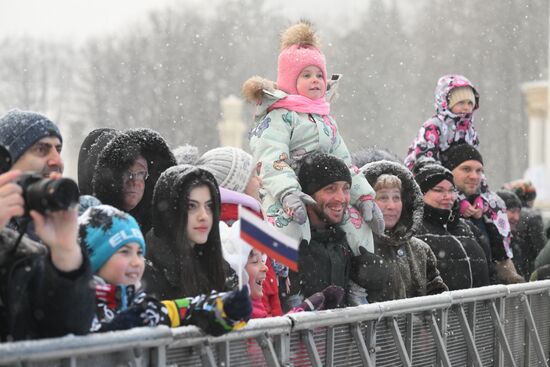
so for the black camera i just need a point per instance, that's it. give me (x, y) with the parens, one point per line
(47, 195)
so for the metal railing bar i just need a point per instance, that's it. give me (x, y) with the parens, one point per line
(400, 345)
(282, 346)
(467, 332)
(74, 346)
(526, 288)
(69, 362)
(371, 339)
(311, 348)
(207, 356)
(269, 351)
(158, 356)
(189, 336)
(224, 354)
(409, 332)
(329, 358)
(501, 335)
(471, 317)
(160, 341)
(443, 315)
(533, 331)
(361, 346)
(436, 333)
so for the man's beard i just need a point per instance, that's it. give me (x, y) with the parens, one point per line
(467, 192)
(322, 215)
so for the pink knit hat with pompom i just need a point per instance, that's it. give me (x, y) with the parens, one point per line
(300, 49)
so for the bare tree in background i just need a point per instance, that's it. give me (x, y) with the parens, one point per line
(36, 75)
(170, 71)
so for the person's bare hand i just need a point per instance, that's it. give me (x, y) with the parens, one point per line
(11, 199)
(59, 230)
(472, 211)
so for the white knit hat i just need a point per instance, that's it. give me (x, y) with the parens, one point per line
(186, 154)
(232, 167)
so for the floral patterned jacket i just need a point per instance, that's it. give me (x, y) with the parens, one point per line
(445, 129)
(280, 140)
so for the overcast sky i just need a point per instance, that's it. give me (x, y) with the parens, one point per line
(70, 19)
(78, 19)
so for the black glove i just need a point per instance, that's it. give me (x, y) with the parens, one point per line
(369, 270)
(237, 304)
(334, 295)
(146, 311)
(314, 302)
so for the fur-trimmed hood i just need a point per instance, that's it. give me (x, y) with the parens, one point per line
(372, 154)
(118, 156)
(413, 200)
(445, 85)
(255, 89)
(88, 155)
(175, 267)
(171, 193)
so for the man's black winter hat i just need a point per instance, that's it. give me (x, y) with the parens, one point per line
(430, 175)
(319, 170)
(457, 154)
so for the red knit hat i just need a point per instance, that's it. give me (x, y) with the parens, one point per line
(300, 49)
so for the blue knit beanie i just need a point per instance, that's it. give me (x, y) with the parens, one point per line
(19, 130)
(87, 201)
(103, 229)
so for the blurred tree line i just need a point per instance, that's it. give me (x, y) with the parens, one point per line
(170, 71)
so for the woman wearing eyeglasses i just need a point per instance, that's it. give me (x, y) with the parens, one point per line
(460, 258)
(127, 170)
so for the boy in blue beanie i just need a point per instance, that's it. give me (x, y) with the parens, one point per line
(116, 248)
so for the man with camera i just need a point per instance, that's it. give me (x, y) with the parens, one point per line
(34, 144)
(44, 288)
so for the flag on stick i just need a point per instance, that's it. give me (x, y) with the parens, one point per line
(265, 238)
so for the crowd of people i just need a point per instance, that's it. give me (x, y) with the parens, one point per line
(154, 237)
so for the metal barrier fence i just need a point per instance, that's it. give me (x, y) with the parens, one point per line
(490, 326)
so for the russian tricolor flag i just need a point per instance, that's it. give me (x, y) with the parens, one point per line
(265, 238)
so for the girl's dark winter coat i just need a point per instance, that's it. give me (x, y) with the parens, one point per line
(411, 263)
(119, 154)
(174, 268)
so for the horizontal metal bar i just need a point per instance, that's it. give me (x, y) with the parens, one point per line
(72, 346)
(192, 336)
